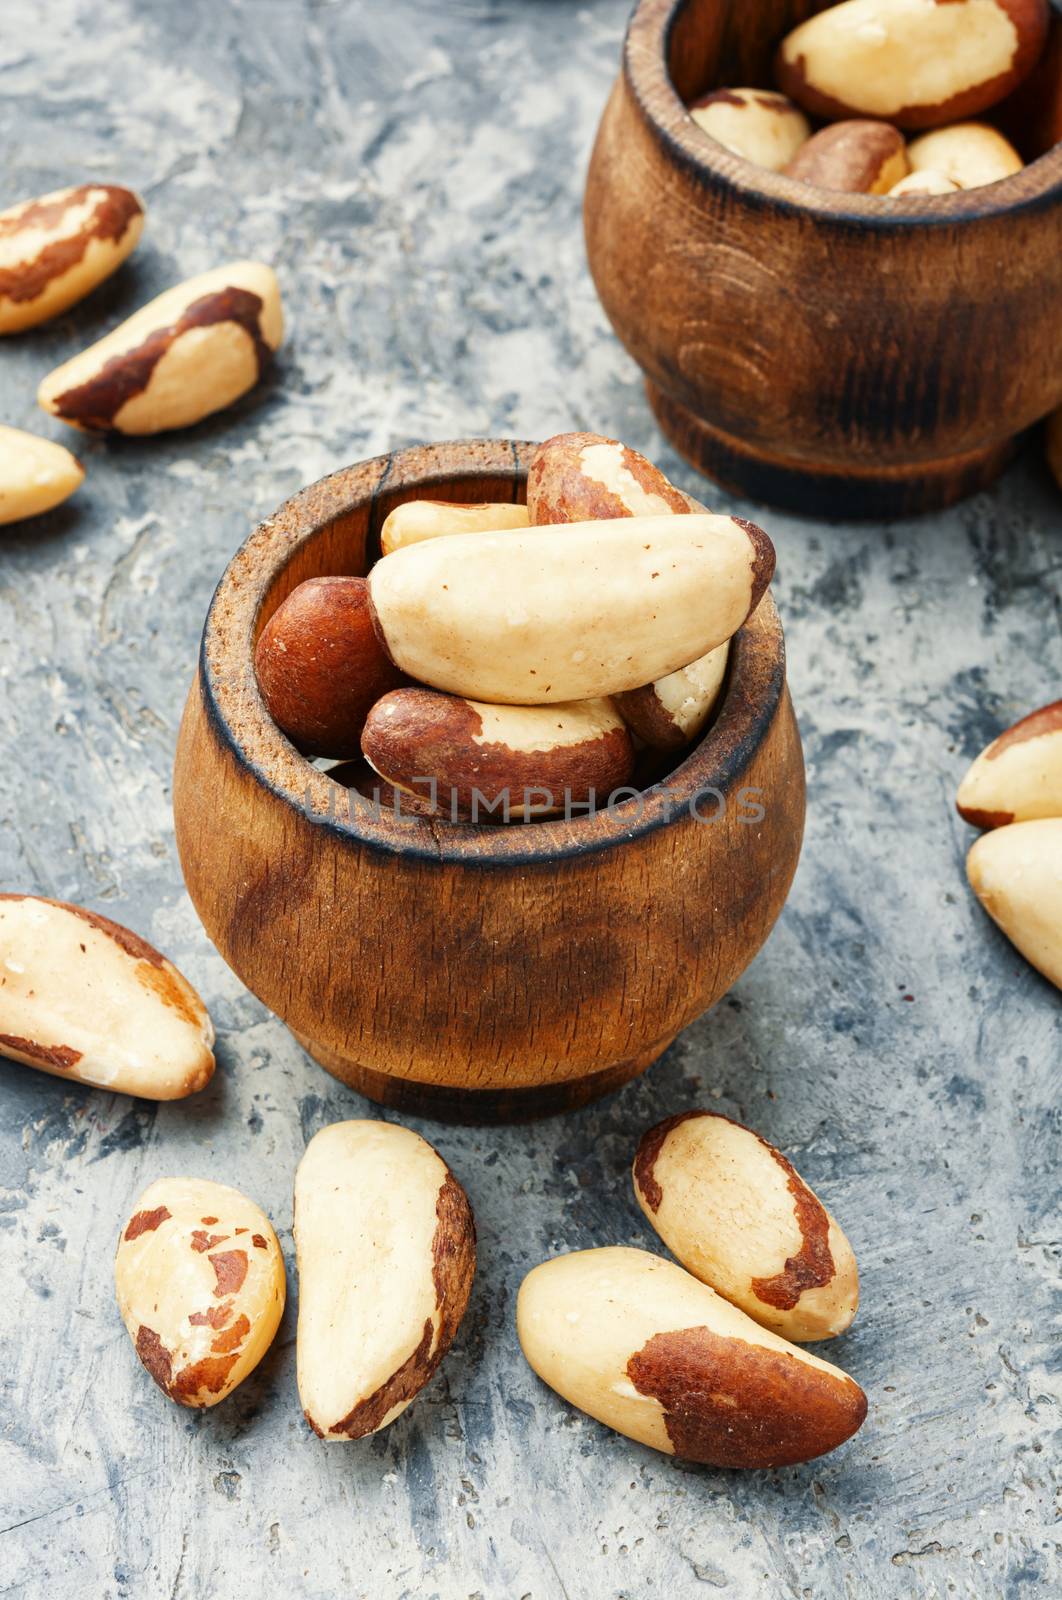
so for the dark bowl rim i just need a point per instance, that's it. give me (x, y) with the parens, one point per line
(756, 684)
(646, 49)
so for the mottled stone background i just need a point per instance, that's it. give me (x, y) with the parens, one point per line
(414, 171)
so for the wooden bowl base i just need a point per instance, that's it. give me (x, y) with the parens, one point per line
(827, 492)
(446, 1104)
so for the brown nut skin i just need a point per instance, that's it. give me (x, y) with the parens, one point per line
(739, 1216)
(1016, 873)
(581, 477)
(670, 713)
(643, 1347)
(56, 249)
(320, 666)
(1018, 777)
(857, 157)
(559, 752)
(861, 58)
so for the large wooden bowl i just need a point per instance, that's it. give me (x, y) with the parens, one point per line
(833, 353)
(474, 972)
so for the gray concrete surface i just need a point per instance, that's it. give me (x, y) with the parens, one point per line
(414, 171)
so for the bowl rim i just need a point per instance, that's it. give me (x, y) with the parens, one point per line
(646, 48)
(237, 714)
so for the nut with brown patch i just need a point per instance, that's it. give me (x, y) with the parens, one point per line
(928, 181)
(741, 1218)
(320, 667)
(415, 520)
(83, 998)
(917, 63)
(585, 477)
(35, 475)
(568, 612)
(55, 249)
(1018, 778)
(971, 154)
(200, 1284)
(1016, 873)
(475, 761)
(642, 1346)
(670, 713)
(386, 1251)
(857, 157)
(764, 127)
(190, 352)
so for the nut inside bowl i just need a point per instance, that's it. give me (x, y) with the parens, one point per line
(840, 354)
(481, 972)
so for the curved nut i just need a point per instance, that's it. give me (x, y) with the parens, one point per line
(320, 667)
(670, 713)
(584, 477)
(1016, 873)
(473, 760)
(190, 352)
(1018, 778)
(764, 127)
(642, 1346)
(917, 63)
(83, 998)
(971, 154)
(740, 1218)
(854, 157)
(200, 1284)
(35, 475)
(386, 1252)
(415, 520)
(929, 181)
(572, 612)
(55, 250)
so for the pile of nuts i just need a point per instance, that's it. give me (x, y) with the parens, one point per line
(499, 662)
(1014, 792)
(190, 352)
(871, 68)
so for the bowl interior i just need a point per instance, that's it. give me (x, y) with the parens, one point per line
(708, 44)
(333, 528)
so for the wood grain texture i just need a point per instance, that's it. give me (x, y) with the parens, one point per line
(528, 967)
(825, 352)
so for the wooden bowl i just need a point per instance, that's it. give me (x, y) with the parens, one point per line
(486, 972)
(827, 352)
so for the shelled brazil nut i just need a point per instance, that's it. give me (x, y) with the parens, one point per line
(1018, 777)
(738, 1216)
(85, 999)
(1016, 874)
(200, 1283)
(642, 1346)
(415, 520)
(763, 126)
(35, 475)
(57, 248)
(192, 351)
(858, 157)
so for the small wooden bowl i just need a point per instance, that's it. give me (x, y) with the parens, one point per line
(482, 973)
(832, 353)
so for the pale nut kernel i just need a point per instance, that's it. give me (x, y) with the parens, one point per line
(917, 63)
(764, 127)
(192, 351)
(200, 1283)
(85, 999)
(857, 157)
(320, 667)
(1016, 873)
(971, 154)
(386, 1251)
(643, 1347)
(56, 249)
(1018, 777)
(35, 475)
(493, 762)
(670, 713)
(928, 181)
(585, 477)
(415, 520)
(738, 1216)
(569, 612)
(1053, 446)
